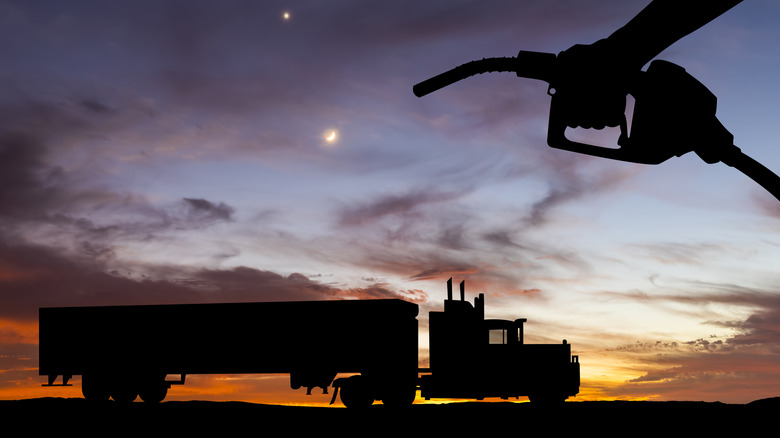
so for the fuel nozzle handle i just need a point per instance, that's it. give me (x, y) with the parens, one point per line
(674, 114)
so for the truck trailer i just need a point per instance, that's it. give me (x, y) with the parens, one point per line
(366, 350)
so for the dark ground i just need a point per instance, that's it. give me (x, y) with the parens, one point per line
(226, 419)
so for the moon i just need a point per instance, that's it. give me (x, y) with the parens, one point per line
(330, 135)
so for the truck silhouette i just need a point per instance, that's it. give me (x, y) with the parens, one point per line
(123, 352)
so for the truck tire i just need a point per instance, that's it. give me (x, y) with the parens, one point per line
(355, 394)
(124, 394)
(123, 388)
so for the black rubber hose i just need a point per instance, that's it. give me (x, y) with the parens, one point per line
(755, 170)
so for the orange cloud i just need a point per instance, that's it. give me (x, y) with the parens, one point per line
(18, 332)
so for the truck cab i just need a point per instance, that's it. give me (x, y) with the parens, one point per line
(475, 358)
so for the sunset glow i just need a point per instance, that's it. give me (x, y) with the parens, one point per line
(161, 153)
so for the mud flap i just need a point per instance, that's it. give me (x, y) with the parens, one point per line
(335, 394)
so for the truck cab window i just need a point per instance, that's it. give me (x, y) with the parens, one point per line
(497, 336)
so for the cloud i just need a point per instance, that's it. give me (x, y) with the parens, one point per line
(35, 276)
(201, 210)
(24, 186)
(423, 235)
(675, 253)
(738, 375)
(403, 207)
(760, 328)
(573, 177)
(649, 347)
(51, 199)
(736, 365)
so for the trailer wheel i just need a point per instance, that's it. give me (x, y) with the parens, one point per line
(153, 392)
(355, 393)
(123, 393)
(93, 388)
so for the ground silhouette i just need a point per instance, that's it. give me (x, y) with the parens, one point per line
(608, 418)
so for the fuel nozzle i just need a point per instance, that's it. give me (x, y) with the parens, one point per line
(674, 114)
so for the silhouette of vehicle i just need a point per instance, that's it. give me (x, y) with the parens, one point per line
(473, 357)
(123, 352)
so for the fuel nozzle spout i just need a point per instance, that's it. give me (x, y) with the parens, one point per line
(531, 65)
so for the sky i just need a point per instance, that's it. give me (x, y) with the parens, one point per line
(176, 151)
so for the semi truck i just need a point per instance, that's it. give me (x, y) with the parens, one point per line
(366, 350)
